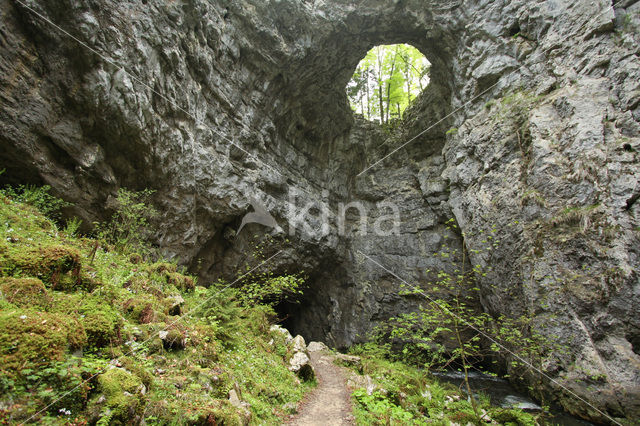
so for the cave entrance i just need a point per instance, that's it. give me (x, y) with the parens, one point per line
(386, 82)
(307, 314)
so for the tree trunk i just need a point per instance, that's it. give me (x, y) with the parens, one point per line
(381, 101)
(380, 83)
(368, 98)
(408, 77)
(393, 68)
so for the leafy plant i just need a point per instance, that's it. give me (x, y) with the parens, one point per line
(401, 394)
(72, 226)
(261, 286)
(381, 408)
(446, 332)
(107, 331)
(533, 350)
(38, 197)
(129, 226)
(271, 290)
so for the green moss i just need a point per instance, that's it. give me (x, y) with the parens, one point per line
(25, 293)
(140, 309)
(102, 328)
(140, 370)
(145, 285)
(30, 339)
(58, 266)
(512, 417)
(176, 337)
(198, 412)
(113, 306)
(135, 258)
(181, 282)
(101, 321)
(168, 272)
(162, 267)
(123, 393)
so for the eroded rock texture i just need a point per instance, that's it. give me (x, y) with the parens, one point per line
(211, 102)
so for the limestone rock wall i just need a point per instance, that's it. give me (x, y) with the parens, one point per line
(535, 141)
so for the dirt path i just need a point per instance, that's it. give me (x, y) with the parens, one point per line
(330, 403)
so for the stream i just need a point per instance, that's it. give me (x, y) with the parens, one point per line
(503, 394)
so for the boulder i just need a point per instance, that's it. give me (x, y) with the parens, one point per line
(316, 347)
(174, 304)
(298, 344)
(349, 360)
(300, 364)
(235, 398)
(282, 331)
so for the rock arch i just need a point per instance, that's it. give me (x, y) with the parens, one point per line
(269, 77)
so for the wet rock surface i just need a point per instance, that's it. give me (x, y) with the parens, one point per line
(210, 103)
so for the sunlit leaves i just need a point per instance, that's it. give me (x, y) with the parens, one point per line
(387, 80)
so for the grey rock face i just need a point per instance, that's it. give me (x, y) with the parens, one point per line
(211, 103)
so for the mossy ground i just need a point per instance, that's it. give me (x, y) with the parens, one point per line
(80, 337)
(407, 395)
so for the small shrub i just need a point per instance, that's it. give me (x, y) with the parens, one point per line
(72, 226)
(378, 406)
(129, 226)
(271, 290)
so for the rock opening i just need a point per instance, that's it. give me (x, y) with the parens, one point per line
(270, 77)
(386, 82)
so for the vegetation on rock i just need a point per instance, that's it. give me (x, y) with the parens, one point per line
(90, 332)
(394, 393)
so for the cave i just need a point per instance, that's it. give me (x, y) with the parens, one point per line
(524, 131)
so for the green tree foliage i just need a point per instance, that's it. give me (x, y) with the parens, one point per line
(387, 80)
(447, 329)
(530, 353)
(261, 286)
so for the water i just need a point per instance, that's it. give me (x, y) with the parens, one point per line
(502, 394)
